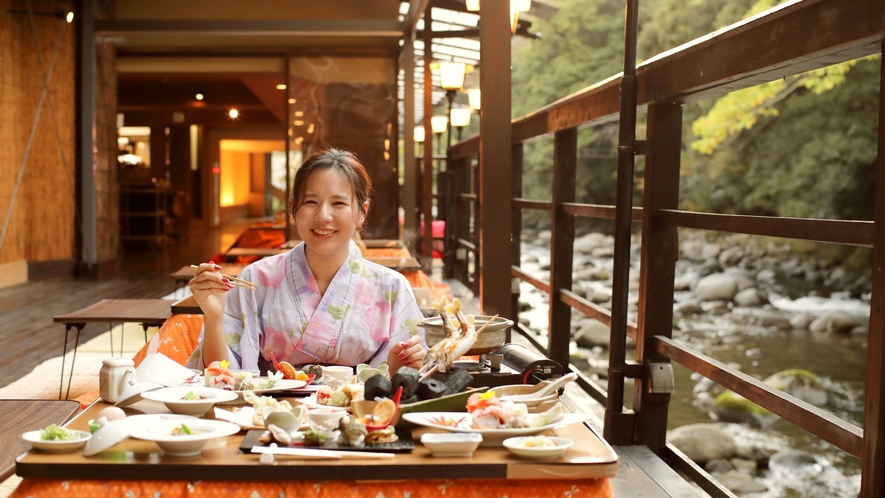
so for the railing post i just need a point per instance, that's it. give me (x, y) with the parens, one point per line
(426, 256)
(516, 155)
(475, 226)
(562, 241)
(660, 249)
(872, 481)
(618, 425)
(453, 217)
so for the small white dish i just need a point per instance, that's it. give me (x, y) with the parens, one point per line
(451, 444)
(518, 446)
(118, 431)
(185, 445)
(132, 394)
(55, 446)
(174, 399)
(335, 375)
(460, 422)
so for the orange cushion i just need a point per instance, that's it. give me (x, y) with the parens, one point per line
(179, 336)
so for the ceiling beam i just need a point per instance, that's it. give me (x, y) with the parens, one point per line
(410, 22)
(253, 27)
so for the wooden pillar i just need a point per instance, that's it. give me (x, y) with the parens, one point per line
(410, 169)
(494, 158)
(660, 248)
(158, 152)
(516, 171)
(86, 135)
(427, 174)
(872, 482)
(562, 241)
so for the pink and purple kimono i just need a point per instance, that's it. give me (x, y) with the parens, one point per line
(366, 309)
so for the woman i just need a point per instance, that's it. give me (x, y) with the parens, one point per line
(320, 302)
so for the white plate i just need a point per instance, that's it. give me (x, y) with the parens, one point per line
(490, 437)
(311, 401)
(516, 445)
(119, 430)
(33, 437)
(451, 444)
(173, 398)
(132, 394)
(185, 445)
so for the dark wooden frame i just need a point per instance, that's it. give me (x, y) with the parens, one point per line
(789, 40)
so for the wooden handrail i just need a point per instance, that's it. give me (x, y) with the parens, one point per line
(833, 231)
(821, 423)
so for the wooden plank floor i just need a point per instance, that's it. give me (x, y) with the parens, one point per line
(28, 335)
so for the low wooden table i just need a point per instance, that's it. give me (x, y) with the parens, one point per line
(261, 252)
(589, 458)
(147, 312)
(18, 416)
(409, 263)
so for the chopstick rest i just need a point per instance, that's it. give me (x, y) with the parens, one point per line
(238, 282)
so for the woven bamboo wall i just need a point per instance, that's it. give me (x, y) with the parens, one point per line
(41, 225)
(106, 184)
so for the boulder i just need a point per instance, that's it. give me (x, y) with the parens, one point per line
(732, 407)
(703, 442)
(837, 322)
(593, 333)
(716, 286)
(801, 321)
(749, 298)
(801, 384)
(587, 243)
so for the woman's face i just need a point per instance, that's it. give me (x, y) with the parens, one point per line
(328, 217)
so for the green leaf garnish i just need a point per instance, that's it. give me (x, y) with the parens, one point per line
(185, 429)
(56, 433)
(190, 396)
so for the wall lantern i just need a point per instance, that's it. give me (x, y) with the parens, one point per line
(439, 123)
(460, 117)
(473, 97)
(419, 134)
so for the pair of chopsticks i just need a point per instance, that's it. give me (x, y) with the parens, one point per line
(238, 282)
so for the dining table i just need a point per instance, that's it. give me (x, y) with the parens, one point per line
(140, 467)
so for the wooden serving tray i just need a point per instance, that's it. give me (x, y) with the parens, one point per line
(222, 460)
(405, 444)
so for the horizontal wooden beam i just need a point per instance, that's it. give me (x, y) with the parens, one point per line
(597, 211)
(831, 231)
(214, 117)
(793, 38)
(819, 422)
(533, 204)
(542, 285)
(251, 27)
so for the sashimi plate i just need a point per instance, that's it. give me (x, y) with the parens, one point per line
(281, 385)
(460, 422)
(311, 402)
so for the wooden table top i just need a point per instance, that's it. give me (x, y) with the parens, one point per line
(254, 251)
(186, 306)
(589, 458)
(396, 263)
(18, 416)
(146, 311)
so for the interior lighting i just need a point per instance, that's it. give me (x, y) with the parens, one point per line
(310, 128)
(474, 98)
(473, 5)
(121, 141)
(298, 122)
(199, 96)
(419, 134)
(233, 113)
(523, 5)
(439, 123)
(69, 17)
(460, 117)
(281, 86)
(292, 101)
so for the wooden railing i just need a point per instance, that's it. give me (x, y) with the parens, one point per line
(794, 38)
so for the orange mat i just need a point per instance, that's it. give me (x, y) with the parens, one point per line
(467, 488)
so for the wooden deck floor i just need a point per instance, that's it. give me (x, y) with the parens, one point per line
(28, 334)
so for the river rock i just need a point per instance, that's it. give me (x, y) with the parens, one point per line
(732, 407)
(791, 459)
(750, 298)
(587, 243)
(772, 320)
(598, 297)
(593, 333)
(718, 466)
(578, 290)
(689, 308)
(730, 257)
(837, 322)
(592, 273)
(740, 483)
(545, 235)
(766, 275)
(801, 321)
(717, 286)
(801, 384)
(702, 442)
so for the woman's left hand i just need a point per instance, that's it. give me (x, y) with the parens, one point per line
(406, 354)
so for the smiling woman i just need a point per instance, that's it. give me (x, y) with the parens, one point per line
(321, 302)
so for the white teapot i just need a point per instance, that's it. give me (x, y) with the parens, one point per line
(115, 376)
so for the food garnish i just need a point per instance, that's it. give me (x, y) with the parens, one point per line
(313, 438)
(56, 433)
(447, 421)
(182, 430)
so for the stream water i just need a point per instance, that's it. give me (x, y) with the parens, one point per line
(838, 360)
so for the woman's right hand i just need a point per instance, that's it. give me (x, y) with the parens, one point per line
(209, 288)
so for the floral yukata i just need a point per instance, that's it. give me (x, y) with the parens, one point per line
(366, 309)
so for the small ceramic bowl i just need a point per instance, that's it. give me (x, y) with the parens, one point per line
(33, 437)
(451, 444)
(335, 376)
(529, 447)
(174, 399)
(185, 445)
